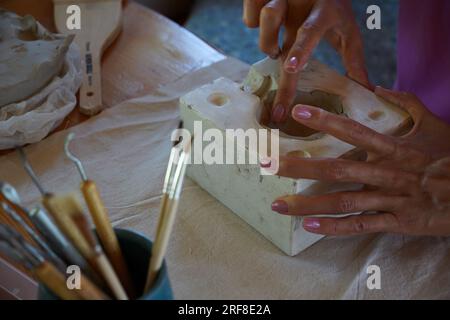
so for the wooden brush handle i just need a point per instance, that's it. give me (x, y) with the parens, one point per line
(20, 212)
(89, 291)
(6, 219)
(55, 281)
(110, 277)
(106, 234)
(91, 86)
(161, 242)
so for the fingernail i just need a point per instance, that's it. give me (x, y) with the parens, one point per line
(309, 223)
(280, 206)
(278, 113)
(292, 65)
(265, 162)
(276, 55)
(302, 112)
(382, 89)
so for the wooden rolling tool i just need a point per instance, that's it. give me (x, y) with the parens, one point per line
(101, 220)
(101, 22)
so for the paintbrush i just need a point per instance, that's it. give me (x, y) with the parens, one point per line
(101, 220)
(9, 195)
(68, 214)
(59, 243)
(37, 239)
(172, 187)
(40, 221)
(23, 253)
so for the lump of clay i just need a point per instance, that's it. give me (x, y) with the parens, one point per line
(30, 56)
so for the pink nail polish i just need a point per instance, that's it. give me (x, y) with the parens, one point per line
(276, 55)
(302, 113)
(280, 206)
(292, 65)
(278, 113)
(265, 162)
(310, 223)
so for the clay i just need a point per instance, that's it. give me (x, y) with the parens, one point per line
(30, 57)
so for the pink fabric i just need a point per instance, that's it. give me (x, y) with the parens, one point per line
(423, 53)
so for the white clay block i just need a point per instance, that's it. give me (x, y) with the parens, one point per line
(224, 104)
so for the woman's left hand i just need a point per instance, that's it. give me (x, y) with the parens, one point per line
(407, 179)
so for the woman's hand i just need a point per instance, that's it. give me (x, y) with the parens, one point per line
(306, 22)
(407, 179)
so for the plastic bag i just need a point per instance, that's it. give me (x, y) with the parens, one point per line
(31, 120)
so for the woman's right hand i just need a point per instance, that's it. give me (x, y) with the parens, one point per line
(306, 22)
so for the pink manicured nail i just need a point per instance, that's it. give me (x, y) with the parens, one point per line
(280, 206)
(265, 162)
(276, 55)
(302, 113)
(292, 65)
(278, 113)
(309, 223)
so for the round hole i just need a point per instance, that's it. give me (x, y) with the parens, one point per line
(90, 94)
(321, 99)
(218, 99)
(377, 115)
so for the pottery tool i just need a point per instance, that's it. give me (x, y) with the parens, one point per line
(37, 239)
(101, 22)
(6, 219)
(10, 196)
(68, 214)
(42, 222)
(18, 250)
(46, 196)
(173, 184)
(174, 152)
(58, 241)
(101, 220)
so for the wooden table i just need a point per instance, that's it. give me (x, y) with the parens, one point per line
(151, 51)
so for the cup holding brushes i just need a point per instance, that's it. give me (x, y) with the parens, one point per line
(64, 237)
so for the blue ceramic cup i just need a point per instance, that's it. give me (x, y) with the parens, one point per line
(136, 249)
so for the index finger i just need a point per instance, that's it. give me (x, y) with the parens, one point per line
(252, 12)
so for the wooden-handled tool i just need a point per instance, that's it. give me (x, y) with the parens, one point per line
(169, 205)
(101, 220)
(68, 214)
(15, 248)
(101, 22)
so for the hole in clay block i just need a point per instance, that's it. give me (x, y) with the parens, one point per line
(377, 115)
(218, 99)
(327, 101)
(90, 94)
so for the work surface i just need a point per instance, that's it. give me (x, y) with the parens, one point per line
(213, 254)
